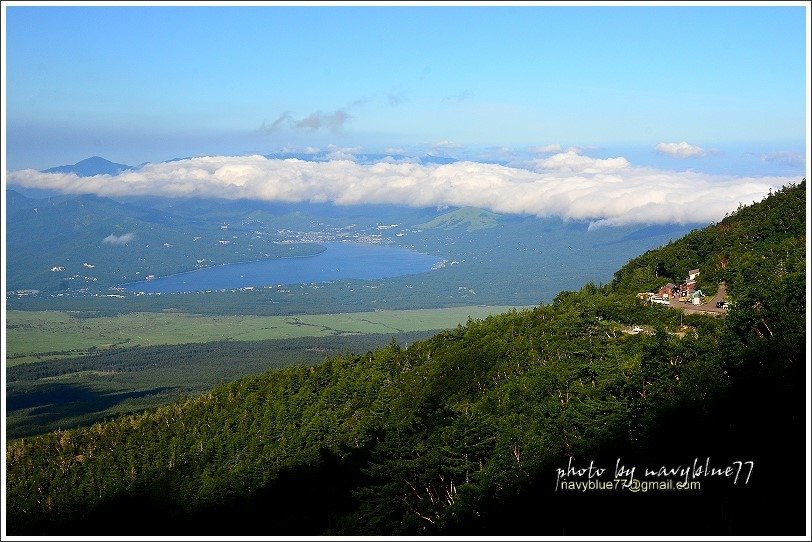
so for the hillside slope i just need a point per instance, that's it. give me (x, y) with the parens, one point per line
(73, 242)
(465, 433)
(472, 219)
(771, 231)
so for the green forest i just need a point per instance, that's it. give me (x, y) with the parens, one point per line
(468, 432)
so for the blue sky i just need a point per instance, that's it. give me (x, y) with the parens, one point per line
(137, 84)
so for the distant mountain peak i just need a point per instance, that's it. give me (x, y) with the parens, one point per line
(95, 165)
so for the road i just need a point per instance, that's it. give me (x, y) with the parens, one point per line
(706, 308)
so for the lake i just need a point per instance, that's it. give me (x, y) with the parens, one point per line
(339, 261)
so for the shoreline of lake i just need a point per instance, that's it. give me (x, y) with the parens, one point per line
(338, 261)
(126, 284)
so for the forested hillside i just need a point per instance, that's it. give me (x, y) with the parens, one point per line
(463, 433)
(740, 249)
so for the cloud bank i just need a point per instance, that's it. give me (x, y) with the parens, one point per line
(568, 185)
(680, 150)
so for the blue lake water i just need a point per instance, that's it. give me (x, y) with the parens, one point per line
(339, 261)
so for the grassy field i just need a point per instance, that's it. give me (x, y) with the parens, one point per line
(43, 335)
(93, 368)
(65, 392)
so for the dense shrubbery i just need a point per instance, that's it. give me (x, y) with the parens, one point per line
(462, 433)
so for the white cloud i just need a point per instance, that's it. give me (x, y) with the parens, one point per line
(572, 162)
(351, 150)
(342, 153)
(399, 160)
(680, 150)
(604, 191)
(303, 150)
(546, 149)
(446, 144)
(784, 158)
(118, 239)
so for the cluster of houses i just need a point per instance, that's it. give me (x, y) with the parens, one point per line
(685, 292)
